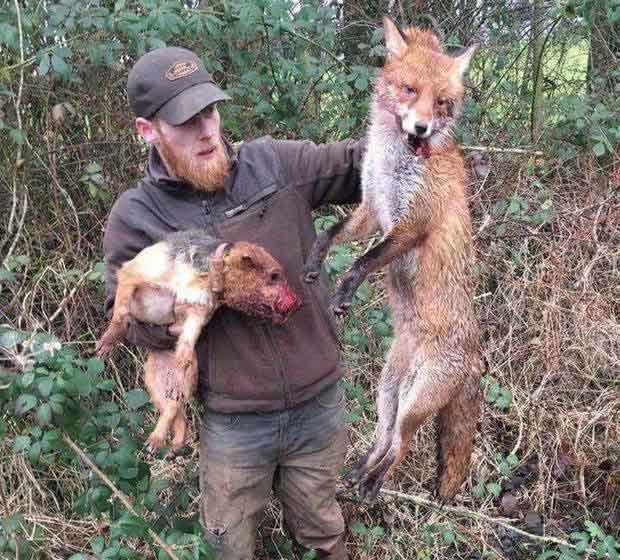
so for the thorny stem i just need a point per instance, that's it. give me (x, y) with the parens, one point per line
(118, 493)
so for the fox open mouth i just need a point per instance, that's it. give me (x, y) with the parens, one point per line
(419, 146)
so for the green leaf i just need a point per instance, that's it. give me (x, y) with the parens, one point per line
(130, 525)
(377, 532)
(18, 136)
(34, 453)
(44, 415)
(44, 64)
(599, 149)
(25, 403)
(494, 488)
(136, 398)
(546, 554)
(45, 387)
(359, 528)
(97, 545)
(512, 460)
(94, 366)
(448, 536)
(27, 379)
(504, 400)
(21, 442)
(59, 65)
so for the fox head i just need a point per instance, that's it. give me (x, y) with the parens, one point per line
(421, 86)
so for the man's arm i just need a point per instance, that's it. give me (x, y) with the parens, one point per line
(324, 173)
(121, 242)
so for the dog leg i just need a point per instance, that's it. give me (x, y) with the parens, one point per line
(180, 431)
(156, 370)
(127, 285)
(194, 319)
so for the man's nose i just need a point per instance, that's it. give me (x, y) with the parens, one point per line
(208, 127)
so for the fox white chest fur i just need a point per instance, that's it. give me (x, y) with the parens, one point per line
(391, 176)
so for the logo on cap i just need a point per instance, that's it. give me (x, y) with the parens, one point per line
(181, 69)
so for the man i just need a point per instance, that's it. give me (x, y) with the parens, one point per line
(274, 408)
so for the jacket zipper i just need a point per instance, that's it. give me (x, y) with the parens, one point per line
(288, 401)
(208, 216)
(277, 358)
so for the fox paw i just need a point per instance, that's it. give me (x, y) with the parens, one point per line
(341, 303)
(370, 486)
(312, 269)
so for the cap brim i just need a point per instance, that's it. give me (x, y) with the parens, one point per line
(189, 102)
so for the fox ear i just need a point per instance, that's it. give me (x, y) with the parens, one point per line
(462, 61)
(394, 40)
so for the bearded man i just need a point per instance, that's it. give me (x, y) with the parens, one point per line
(274, 408)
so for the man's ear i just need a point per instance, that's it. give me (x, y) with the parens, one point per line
(147, 130)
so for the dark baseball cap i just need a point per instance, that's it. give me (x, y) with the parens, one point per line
(172, 84)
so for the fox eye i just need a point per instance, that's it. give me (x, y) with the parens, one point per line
(442, 102)
(275, 276)
(410, 90)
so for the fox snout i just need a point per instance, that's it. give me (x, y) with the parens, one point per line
(417, 125)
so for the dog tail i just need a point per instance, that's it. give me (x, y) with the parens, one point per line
(456, 430)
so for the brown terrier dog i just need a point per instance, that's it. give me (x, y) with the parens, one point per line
(414, 190)
(180, 282)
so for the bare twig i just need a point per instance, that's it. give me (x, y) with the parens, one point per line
(502, 150)
(118, 493)
(476, 515)
(69, 296)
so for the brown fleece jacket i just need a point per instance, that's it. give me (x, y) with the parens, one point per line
(247, 364)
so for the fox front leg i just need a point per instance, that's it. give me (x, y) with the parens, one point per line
(397, 243)
(360, 223)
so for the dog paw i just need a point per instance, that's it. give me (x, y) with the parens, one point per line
(104, 347)
(153, 444)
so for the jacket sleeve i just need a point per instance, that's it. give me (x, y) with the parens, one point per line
(121, 242)
(324, 173)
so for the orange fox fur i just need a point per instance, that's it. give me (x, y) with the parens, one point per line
(414, 191)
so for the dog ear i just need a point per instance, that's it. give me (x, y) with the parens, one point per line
(394, 41)
(249, 261)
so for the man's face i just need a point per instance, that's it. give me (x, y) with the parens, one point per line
(192, 151)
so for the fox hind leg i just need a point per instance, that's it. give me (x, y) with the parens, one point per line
(421, 395)
(387, 408)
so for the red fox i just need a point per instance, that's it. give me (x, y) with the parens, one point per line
(413, 182)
